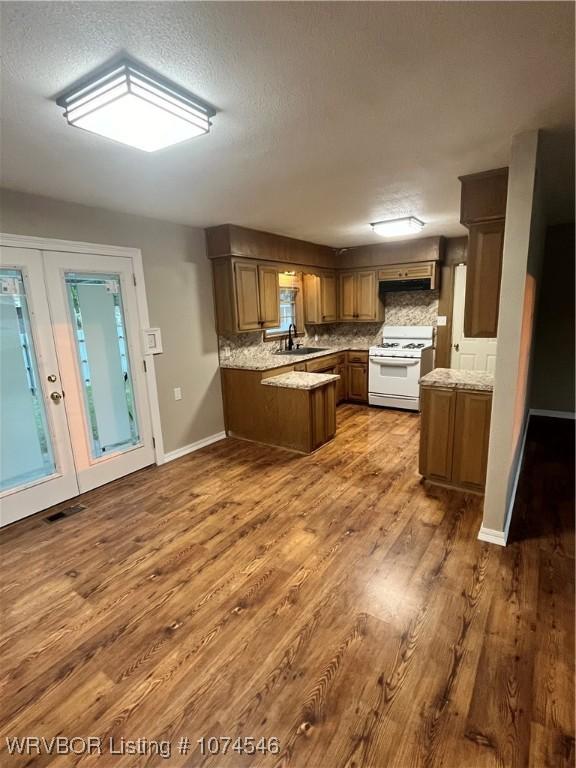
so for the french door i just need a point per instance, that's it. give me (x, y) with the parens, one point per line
(73, 398)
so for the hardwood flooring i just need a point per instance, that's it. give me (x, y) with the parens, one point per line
(331, 601)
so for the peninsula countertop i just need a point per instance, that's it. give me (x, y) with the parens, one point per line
(452, 378)
(300, 380)
(267, 361)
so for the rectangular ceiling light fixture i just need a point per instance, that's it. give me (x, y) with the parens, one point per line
(409, 225)
(131, 104)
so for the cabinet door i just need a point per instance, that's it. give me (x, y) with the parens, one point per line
(366, 296)
(341, 386)
(347, 296)
(471, 434)
(328, 298)
(358, 382)
(484, 271)
(438, 410)
(247, 299)
(269, 290)
(312, 299)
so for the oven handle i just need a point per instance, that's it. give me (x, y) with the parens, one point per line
(395, 361)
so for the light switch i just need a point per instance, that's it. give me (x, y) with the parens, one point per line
(177, 393)
(441, 320)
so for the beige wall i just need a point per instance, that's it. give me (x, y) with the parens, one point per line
(179, 290)
(552, 386)
(523, 253)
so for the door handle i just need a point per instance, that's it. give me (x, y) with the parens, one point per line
(457, 347)
(56, 396)
(51, 378)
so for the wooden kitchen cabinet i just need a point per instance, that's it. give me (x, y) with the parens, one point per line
(454, 433)
(246, 294)
(483, 275)
(320, 298)
(438, 412)
(358, 293)
(357, 376)
(335, 364)
(409, 272)
(483, 211)
(471, 435)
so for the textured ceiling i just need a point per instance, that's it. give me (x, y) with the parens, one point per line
(331, 115)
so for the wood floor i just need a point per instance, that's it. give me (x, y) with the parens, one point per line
(331, 601)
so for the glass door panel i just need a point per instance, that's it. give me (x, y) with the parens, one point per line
(97, 332)
(26, 453)
(97, 316)
(36, 463)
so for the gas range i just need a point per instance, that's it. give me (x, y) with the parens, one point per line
(396, 365)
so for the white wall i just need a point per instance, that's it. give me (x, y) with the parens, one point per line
(179, 289)
(522, 259)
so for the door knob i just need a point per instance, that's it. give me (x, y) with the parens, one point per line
(52, 378)
(56, 396)
(457, 347)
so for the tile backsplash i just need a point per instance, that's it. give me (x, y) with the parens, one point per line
(406, 308)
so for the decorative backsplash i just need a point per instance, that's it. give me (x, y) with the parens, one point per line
(406, 308)
(411, 308)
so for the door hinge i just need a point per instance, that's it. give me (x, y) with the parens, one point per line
(153, 442)
(134, 278)
(144, 364)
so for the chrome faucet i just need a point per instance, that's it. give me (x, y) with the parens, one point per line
(290, 344)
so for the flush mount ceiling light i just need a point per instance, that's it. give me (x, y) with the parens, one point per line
(409, 225)
(129, 103)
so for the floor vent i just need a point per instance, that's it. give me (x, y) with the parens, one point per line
(68, 512)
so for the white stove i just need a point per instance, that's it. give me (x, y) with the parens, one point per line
(395, 366)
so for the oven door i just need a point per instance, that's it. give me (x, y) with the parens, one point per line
(396, 376)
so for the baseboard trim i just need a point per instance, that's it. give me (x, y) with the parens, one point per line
(553, 414)
(186, 449)
(491, 535)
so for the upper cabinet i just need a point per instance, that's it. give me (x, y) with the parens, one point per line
(483, 211)
(246, 295)
(423, 271)
(320, 298)
(358, 293)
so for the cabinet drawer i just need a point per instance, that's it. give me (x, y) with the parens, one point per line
(358, 357)
(322, 363)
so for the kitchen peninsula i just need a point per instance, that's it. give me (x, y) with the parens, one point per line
(280, 406)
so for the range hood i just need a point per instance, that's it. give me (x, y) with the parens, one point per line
(413, 284)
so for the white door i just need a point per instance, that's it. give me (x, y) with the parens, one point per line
(36, 463)
(97, 333)
(73, 395)
(468, 354)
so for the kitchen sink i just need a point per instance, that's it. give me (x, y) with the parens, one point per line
(302, 351)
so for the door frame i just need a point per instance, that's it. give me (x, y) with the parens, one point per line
(135, 254)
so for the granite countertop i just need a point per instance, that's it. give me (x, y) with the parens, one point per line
(266, 361)
(453, 378)
(300, 380)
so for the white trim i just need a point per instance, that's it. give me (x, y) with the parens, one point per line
(492, 535)
(179, 452)
(552, 414)
(69, 246)
(135, 254)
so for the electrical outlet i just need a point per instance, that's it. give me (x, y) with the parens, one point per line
(226, 353)
(316, 337)
(441, 320)
(177, 393)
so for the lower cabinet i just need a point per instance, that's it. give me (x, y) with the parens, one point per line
(357, 376)
(454, 433)
(334, 364)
